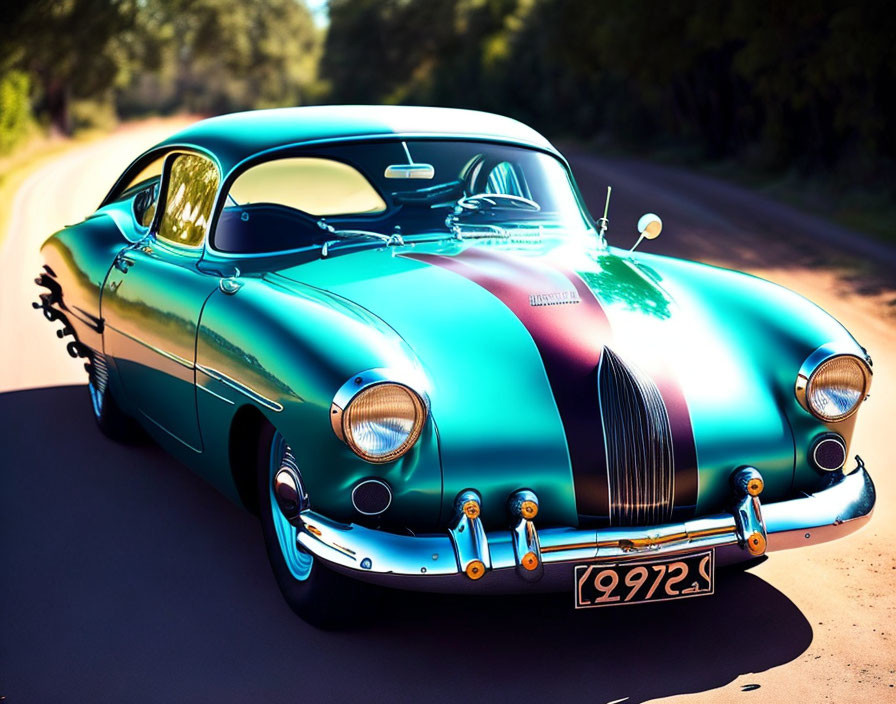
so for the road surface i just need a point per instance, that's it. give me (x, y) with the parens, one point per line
(125, 578)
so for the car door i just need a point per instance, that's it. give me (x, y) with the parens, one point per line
(153, 297)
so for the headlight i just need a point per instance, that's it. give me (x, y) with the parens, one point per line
(381, 422)
(836, 387)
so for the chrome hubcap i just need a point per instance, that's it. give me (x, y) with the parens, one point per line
(288, 499)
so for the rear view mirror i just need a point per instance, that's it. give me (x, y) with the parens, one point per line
(424, 171)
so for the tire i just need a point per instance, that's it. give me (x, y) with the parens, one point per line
(315, 593)
(114, 423)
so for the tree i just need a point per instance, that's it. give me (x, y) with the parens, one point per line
(69, 47)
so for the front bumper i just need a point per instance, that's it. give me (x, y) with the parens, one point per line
(442, 562)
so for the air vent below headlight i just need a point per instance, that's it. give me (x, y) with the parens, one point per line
(828, 453)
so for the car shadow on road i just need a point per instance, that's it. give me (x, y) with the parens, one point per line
(127, 578)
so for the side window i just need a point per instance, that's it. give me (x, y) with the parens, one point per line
(190, 195)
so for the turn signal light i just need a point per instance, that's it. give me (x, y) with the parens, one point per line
(755, 486)
(471, 509)
(756, 544)
(529, 509)
(475, 569)
(529, 561)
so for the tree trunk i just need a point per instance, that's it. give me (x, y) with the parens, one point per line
(58, 97)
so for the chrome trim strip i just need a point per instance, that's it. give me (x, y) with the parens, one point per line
(402, 560)
(218, 396)
(168, 355)
(242, 388)
(169, 433)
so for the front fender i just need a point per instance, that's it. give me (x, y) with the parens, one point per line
(763, 333)
(286, 349)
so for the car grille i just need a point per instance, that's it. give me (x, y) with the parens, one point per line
(640, 464)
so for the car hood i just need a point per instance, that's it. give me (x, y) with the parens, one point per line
(524, 345)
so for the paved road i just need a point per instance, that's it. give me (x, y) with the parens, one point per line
(125, 578)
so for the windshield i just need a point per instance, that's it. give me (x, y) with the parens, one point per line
(406, 188)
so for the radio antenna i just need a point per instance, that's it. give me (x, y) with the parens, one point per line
(603, 223)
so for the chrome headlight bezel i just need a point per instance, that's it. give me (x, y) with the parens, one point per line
(364, 383)
(816, 362)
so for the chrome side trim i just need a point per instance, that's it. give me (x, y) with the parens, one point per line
(237, 386)
(212, 393)
(429, 561)
(168, 355)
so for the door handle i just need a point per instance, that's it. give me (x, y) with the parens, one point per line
(230, 285)
(123, 262)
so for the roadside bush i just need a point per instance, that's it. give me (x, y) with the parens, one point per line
(15, 109)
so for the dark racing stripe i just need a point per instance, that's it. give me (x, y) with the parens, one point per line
(570, 361)
(570, 329)
(684, 449)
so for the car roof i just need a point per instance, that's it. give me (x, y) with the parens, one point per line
(238, 136)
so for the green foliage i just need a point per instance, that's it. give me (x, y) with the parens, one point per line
(805, 84)
(213, 56)
(71, 49)
(15, 109)
(88, 59)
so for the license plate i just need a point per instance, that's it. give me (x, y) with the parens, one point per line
(646, 580)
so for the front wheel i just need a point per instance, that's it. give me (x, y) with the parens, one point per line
(318, 595)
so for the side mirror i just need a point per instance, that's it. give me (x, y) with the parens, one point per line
(649, 227)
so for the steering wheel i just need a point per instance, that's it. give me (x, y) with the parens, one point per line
(481, 201)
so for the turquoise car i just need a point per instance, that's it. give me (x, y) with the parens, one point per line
(397, 335)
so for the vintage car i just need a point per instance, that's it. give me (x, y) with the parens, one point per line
(398, 336)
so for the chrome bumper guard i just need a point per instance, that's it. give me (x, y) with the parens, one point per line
(520, 558)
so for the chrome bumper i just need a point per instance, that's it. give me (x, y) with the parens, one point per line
(442, 562)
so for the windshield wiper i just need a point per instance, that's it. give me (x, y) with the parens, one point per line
(389, 240)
